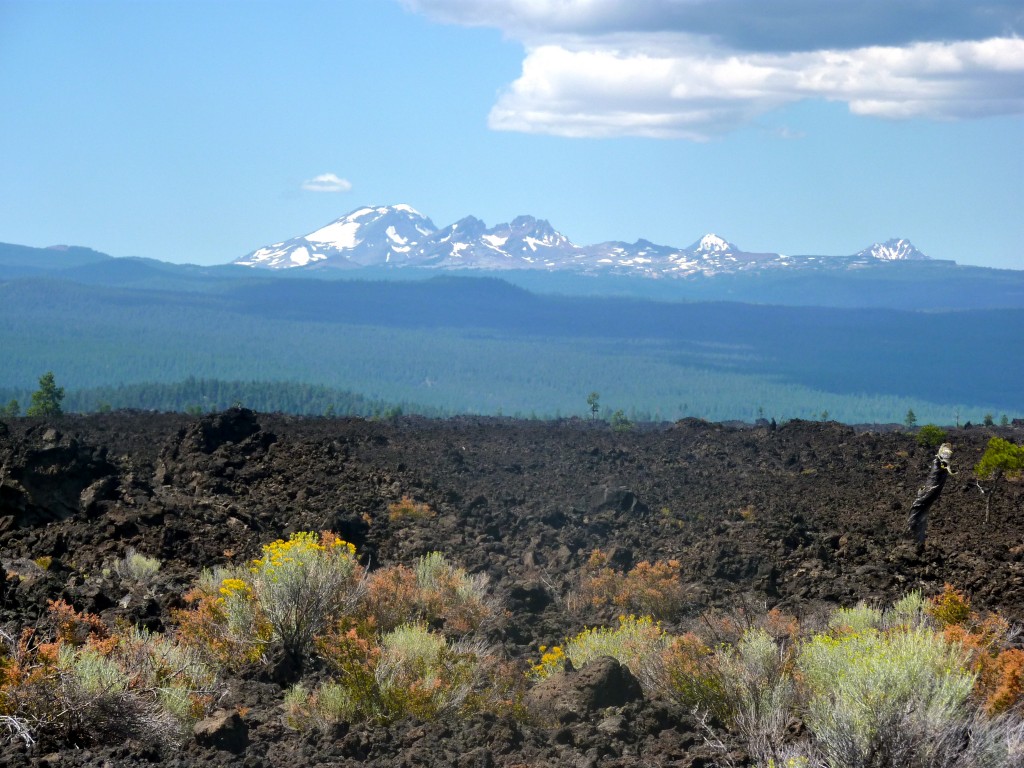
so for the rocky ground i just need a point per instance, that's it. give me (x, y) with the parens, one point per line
(801, 516)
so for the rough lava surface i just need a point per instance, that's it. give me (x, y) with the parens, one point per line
(805, 517)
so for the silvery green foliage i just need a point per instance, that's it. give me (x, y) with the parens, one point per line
(760, 690)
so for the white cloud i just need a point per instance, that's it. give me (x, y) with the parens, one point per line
(695, 69)
(327, 182)
(597, 91)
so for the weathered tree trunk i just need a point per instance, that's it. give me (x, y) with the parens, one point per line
(917, 520)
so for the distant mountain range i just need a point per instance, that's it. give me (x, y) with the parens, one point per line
(866, 336)
(400, 236)
(397, 243)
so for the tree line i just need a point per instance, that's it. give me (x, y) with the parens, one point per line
(194, 395)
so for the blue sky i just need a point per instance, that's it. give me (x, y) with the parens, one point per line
(200, 131)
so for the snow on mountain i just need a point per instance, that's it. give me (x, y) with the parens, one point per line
(532, 241)
(893, 250)
(711, 243)
(456, 245)
(366, 237)
(400, 236)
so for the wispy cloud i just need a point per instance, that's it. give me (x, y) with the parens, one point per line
(327, 182)
(695, 69)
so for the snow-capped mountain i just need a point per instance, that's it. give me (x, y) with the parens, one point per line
(468, 244)
(400, 236)
(711, 244)
(366, 237)
(893, 250)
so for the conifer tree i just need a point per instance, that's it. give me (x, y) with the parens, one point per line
(46, 400)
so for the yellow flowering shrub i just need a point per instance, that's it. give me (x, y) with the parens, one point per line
(552, 660)
(290, 594)
(950, 608)
(303, 584)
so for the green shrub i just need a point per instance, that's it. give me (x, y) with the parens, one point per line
(183, 682)
(637, 643)
(330, 703)
(879, 697)
(431, 569)
(137, 567)
(759, 690)
(860, 618)
(450, 595)
(92, 672)
(420, 673)
(910, 610)
(931, 436)
(299, 708)
(878, 689)
(1000, 457)
(412, 672)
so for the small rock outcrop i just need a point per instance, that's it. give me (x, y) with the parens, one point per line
(570, 695)
(224, 729)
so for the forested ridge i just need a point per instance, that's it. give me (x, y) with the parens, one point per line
(481, 345)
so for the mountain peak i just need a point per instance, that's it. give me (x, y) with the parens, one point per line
(896, 249)
(712, 243)
(364, 237)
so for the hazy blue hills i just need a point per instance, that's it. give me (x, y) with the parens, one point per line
(23, 260)
(450, 343)
(899, 284)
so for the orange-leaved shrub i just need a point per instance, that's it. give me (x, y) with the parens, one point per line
(434, 591)
(408, 509)
(88, 684)
(728, 627)
(999, 684)
(223, 622)
(652, 589)
(392, 594)
(692, 676)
